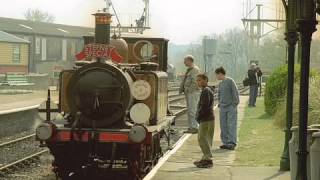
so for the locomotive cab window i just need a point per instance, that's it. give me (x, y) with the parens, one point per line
(144, 51)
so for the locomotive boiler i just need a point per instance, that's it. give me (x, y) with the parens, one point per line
(112, 108)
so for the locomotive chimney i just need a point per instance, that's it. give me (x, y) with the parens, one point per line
(102, 30)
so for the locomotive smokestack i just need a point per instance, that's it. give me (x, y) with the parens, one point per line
(102, 30)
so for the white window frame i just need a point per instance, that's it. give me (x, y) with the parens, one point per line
(43, 49)
(64, 49)
(16, 53)
(37, 49)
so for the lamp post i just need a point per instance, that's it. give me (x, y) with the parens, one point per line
(306, 26)
(291, 37)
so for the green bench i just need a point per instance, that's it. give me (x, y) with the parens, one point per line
(16, 80)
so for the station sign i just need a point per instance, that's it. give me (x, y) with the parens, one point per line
(95, 50)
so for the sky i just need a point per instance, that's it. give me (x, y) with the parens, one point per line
(181, 21)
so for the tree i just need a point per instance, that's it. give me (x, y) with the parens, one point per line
(38, 16)
(272, 51)
(232, 53)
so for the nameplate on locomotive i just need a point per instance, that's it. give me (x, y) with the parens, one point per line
(95, 50)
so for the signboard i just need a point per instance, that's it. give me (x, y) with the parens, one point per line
(95, 50)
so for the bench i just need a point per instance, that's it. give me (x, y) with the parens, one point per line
(16, 80)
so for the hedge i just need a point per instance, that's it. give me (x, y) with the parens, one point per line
(313, 110)
(276, 87)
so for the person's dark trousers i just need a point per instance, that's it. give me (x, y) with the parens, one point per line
(205, 138)
(253, 95)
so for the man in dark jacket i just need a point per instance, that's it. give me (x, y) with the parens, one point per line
(205, 118)
(253, 83)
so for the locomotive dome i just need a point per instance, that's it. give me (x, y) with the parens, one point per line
(121, 46)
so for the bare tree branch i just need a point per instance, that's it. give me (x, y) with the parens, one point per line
(39, 16)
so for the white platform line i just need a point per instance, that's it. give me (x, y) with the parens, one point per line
(19, 109)
(166, 156)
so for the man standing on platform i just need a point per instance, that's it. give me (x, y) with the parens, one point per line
(191, 90)
(228, 97)
(205, 118)
(253, 83)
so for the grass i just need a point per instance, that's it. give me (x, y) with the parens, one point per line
(260, 143)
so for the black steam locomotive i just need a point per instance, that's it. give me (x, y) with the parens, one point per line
(111, 114)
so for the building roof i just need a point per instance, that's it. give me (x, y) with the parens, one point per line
(20, 26)
(6, 37)
(42, 28)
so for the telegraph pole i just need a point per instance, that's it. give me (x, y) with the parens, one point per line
(255, 26)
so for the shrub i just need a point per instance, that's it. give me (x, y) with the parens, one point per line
(313, 110)
(276, 87)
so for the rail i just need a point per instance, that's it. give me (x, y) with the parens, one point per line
(20, 162)
(17, 140)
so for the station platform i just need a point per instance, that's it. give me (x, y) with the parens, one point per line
(179, 164)
(20, 102)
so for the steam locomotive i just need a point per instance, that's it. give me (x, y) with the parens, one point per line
(111, 114)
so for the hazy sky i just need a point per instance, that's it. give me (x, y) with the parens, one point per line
(182, 21)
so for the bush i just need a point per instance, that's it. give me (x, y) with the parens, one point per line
(276, 87)
(314, 105)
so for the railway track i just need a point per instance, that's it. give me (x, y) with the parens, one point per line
(21, 163)
(17, 140)
(13, 165)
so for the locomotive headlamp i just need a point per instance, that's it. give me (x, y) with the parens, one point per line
(137, 134)
(44, 131)
(140, 113)
(141, 90)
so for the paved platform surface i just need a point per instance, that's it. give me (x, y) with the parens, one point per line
(180, 165)
(10, 102)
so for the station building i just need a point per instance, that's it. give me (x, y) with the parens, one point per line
(14, 54)
(52, 47)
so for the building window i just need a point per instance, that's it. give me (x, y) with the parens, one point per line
(37, 45)
(43, 49)
(64, 49)
(16, 53)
